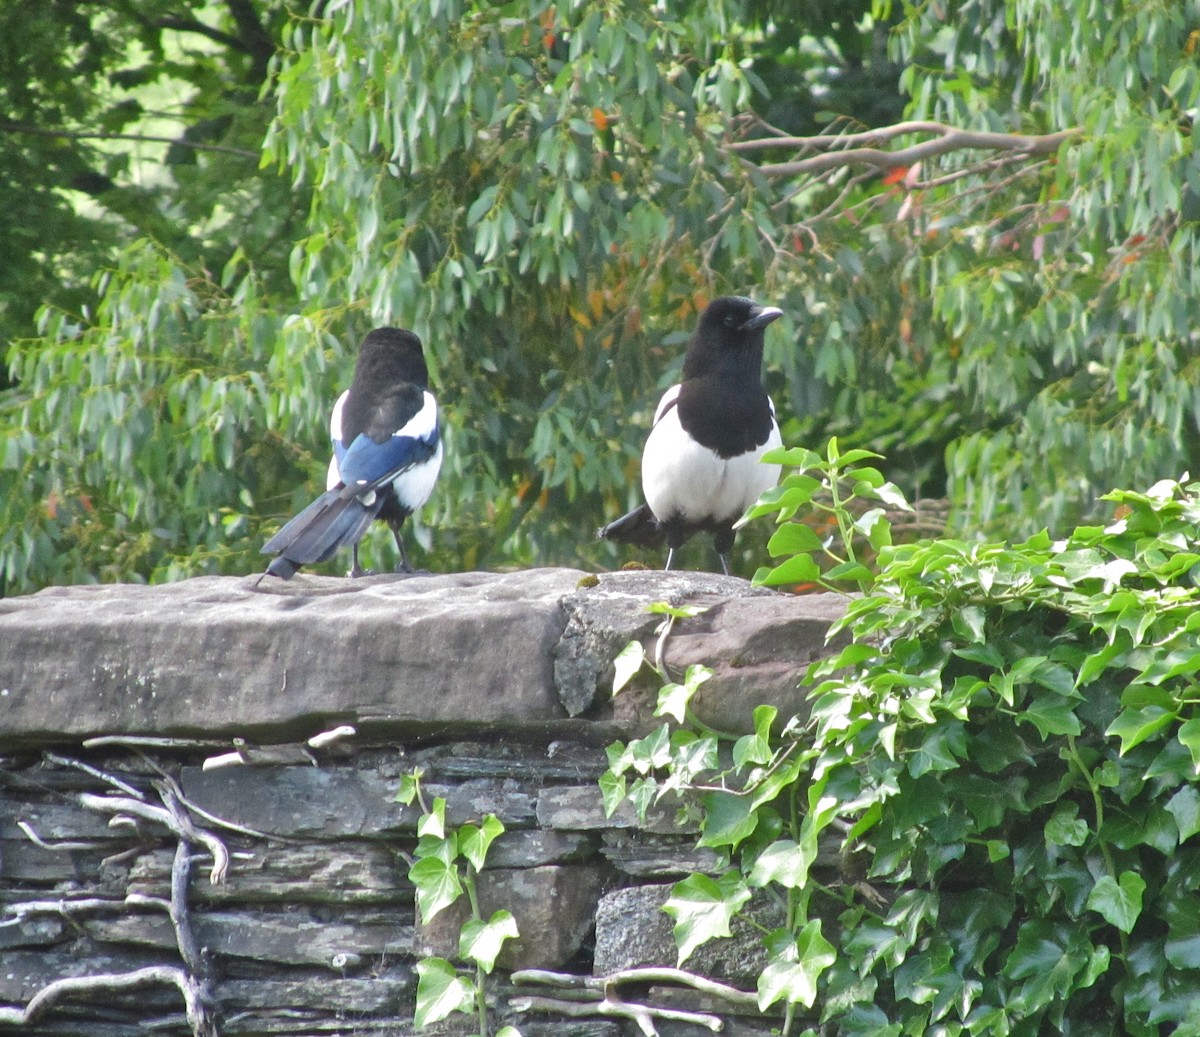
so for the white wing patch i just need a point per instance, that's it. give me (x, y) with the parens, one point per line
(414, 485)
(333, 477)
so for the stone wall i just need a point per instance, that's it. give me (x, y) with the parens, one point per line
(198, 825)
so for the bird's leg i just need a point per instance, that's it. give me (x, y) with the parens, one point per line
(723, 542)
(403, 567)
(670, 555)
(356, 570)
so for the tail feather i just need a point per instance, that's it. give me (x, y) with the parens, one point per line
(638, 527)
(329, 522)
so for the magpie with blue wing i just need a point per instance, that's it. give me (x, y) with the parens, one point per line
(386, 456)
(700, 466)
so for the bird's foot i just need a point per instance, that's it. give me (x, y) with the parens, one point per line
(358, 571)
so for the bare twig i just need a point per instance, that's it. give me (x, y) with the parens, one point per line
(839, 150)
(145, 138)
(83, 906)
(197, 1012)
(151, 742)
(643, 1015)
(95, 772)
(605, 984)
(123, 804)
(63, 847)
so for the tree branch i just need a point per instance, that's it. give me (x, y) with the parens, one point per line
(41, 131)
(849, 149)
(192, 995)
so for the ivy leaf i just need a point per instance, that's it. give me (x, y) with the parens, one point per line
(437, 885)
(440, 991)
(1118, 901)
(1051, 715)
(1065, 827)
(756, 748)
(1134, 726)
(703, 908)
(626, 664)
(409, 785)
(474, 841)
(1189, 735)
(1185, 807)
(784, 862)
(673, 701)
(795, 966)
(729, 819)
(612, 791)
(433, 824)
(482, 941)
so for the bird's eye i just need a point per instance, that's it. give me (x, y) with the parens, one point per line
(730, 320)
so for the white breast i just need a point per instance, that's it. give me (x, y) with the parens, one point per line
(682, 479)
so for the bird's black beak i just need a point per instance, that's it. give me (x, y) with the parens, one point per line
(760, 317)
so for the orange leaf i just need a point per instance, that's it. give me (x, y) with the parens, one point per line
(599, 120)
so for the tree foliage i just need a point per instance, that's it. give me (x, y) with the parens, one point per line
(994, 295)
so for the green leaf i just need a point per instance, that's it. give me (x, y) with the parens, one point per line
(794, 966)
(1189, 735)
(756, 748)
(433, 824)
(662, 608)
(703, 908)
(784, 863)
(793, 538)
(409, 785)
(1118, 901)
(673, 701)
(482, 942)
(612, 791)
(797, 569)
(437, 886)
(440, 992)
(1051, 715)
(1185, 808)
(1065, 827)
(473, 841)
(626, 664)
(1134, 726)
(729, 819)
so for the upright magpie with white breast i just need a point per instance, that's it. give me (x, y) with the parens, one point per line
(386, 456)
(701, 467)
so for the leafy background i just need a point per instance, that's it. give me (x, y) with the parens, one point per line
(207, 204)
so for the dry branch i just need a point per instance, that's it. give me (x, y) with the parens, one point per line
(837, 151)
(606, 999)
(53, 992)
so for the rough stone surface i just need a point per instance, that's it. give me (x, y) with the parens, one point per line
(554, 908)
(426, 654)
(495, 688)
(632, 931)
(308, 653)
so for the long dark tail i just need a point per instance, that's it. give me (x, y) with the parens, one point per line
(638, 527)
(329, 522)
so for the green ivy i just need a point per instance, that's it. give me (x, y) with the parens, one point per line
(1005, 754)
(442, 869)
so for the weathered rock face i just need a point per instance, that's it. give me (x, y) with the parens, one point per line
(496, 687)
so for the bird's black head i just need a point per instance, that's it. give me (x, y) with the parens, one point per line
(391, 355)
(730, 332)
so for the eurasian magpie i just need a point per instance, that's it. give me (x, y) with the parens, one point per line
(386, 457)
(700, 466)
